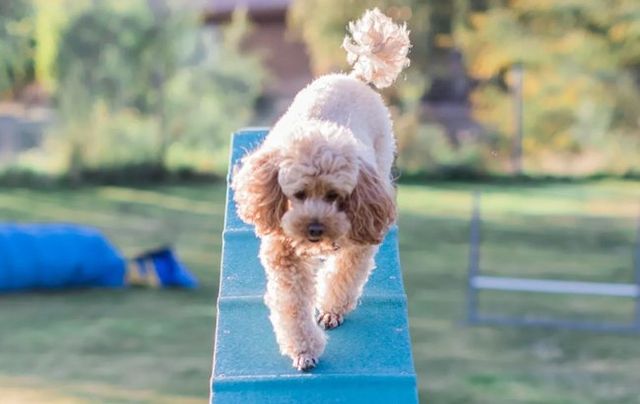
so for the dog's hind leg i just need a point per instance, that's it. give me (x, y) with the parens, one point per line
(340, 283)
(290, 297)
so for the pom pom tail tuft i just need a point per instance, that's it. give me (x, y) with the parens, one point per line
(377, 48)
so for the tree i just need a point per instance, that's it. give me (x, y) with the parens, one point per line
(581, 94)
(163, 89)
(16, 45)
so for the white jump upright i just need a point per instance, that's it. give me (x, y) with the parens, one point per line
(477, 282)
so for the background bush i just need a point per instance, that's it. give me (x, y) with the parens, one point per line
(16, 45)
(581, 87)
(144, 83)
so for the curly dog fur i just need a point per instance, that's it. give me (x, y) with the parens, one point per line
(319, 191)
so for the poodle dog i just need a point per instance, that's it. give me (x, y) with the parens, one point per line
(320, 193)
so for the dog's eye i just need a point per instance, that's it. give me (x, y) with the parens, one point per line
(331, 196)
(301, 195)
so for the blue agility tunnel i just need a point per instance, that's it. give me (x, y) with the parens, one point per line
(54, 256)
(63, 256)
(367, 359)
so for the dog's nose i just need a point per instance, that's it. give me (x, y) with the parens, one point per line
(315, 230)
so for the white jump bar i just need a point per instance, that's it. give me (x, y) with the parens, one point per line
(553, 286)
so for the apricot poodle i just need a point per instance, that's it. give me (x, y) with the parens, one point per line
(320, 193)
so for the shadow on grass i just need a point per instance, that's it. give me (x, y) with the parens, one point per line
(127, 175)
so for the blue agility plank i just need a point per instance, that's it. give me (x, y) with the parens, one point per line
(367, 359)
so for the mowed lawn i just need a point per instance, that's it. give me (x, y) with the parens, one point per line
(156, 345)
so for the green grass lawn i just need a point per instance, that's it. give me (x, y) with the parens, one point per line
(156, 345)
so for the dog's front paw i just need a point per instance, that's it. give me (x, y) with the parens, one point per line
(304, 362)
(330, 320)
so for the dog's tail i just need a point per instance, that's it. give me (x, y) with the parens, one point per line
(377, 48)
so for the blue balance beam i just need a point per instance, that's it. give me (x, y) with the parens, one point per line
(367, 359)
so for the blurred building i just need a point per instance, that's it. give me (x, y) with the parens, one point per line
(447, 100)
(21, 128)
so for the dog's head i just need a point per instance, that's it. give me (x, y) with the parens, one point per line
(315, 189)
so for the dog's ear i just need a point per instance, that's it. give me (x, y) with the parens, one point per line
(258, 196)
(370, 207)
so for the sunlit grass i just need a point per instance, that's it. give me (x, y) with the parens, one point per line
(31, 390)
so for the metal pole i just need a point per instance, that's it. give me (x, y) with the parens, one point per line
(474, 260)
(161, 10)
(518, 102)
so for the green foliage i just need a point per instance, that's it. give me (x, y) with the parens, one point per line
(427, 148)
(49, 21)
(16, 44)
(136, 87)
(581, 91)
(100, 49)
(209, 100)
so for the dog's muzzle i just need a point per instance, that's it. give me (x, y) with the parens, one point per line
(315, 231)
